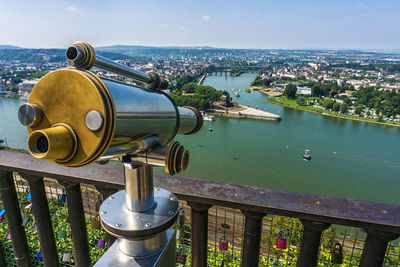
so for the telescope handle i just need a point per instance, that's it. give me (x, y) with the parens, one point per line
(82, 55)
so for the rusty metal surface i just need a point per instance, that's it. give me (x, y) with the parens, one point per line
(357, 213)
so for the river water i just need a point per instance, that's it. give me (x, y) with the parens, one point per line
(349, 159)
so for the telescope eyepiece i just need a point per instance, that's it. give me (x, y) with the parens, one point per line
(42, 144)
(72, 53)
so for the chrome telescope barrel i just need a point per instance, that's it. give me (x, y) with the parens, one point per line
(82, 55)
(74, 117)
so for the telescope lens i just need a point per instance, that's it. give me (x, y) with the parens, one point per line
(42, 144)
(72, 53)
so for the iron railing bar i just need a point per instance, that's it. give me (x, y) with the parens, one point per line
(252, 238)
(43, 220)
(199, 233)
(310, 242)
(76, 215)
(14, 220)
(375, 247)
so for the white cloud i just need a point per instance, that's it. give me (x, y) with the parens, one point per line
(182, 28)
(162, 26)
(206, 18)
(72, 9)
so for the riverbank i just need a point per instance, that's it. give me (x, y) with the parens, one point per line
(293, 104)
(244, 112)
(267, 91)
(202, 79)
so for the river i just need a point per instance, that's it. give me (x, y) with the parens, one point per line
(350, 159)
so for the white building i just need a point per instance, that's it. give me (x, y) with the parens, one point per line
(303, 90)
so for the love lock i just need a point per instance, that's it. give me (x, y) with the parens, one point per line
(223, 244)
(337, 254)
(181, 257)
(62, 233)
(66, 257)
(281, 241)
(101, 243)
(276, 263)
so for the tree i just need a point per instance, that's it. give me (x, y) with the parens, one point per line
(189, 87)
(211, 68)
(316, 90)
(336, 106)
(301, 100)
(328, 104)
(343, 108)
(290, 91)
(358, 110)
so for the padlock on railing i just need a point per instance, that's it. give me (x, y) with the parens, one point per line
(276, 263)
(337, 254)
(25, 220)
(63, 197)
(66, 257)
(8, 236)
(39, 256)
(101, 243)
(2, 214)
(181, 257)
(223, 243)
(281, 241)
(61, 233)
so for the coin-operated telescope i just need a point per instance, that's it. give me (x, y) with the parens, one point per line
(75, 118)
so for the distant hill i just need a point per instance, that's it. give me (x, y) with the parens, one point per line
(165, 51)
(48, 55)
(143, 47)
(9, 47)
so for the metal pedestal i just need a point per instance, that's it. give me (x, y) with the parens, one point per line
(140, 217)
(165, 257)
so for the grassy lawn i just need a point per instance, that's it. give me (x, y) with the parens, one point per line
(292, 103)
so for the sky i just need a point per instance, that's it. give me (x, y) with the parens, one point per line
(265, 24)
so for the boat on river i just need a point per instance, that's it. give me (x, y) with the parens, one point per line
(235, 92)
(207, 117)
(307, 156)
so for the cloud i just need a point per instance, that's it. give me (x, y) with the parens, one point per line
(206, 18)
(162, 26)
(72, 9)
(182, 28)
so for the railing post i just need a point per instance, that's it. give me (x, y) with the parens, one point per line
(252, 238)
(375, 247)
(14, 220)
(43, 219)
(105, 193)
(199, 217)
(78, 224)
(310, 243)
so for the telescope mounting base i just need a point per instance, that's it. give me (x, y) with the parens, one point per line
(164, 257)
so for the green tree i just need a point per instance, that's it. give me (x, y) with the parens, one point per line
(336, 106)
(358, 110)
(301, 100)
(343, 107)
(328, 104)
(290, 91)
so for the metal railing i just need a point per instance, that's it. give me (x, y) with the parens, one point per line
(316, 213)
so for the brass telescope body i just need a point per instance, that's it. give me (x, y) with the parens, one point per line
(79, 117)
